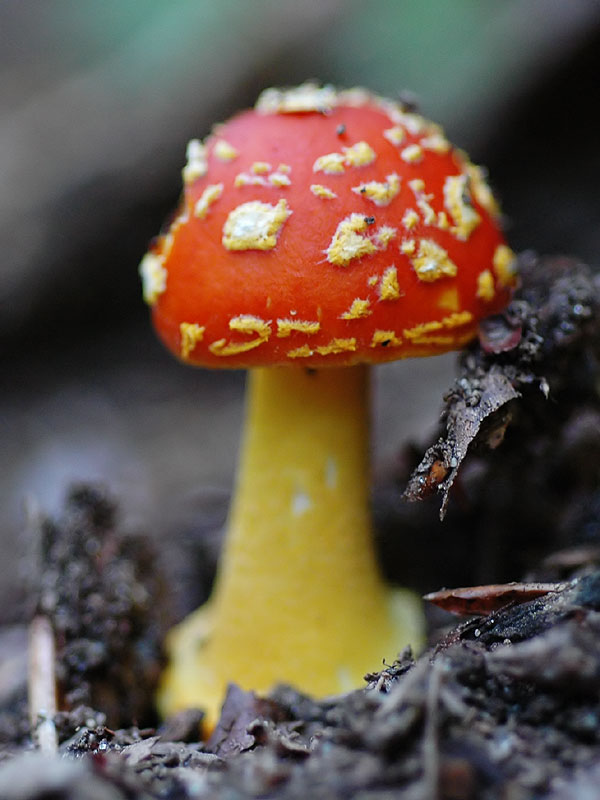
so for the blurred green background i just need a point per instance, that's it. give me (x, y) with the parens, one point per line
(97, 102)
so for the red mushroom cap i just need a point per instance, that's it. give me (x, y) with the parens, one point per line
(326, 228)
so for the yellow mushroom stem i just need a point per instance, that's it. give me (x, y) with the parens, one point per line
(298, 596)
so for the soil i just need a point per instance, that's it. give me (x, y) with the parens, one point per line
(503, 705)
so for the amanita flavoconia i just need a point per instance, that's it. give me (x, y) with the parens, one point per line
(318, 233)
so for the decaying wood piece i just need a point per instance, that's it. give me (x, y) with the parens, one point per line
(487, 599)
(555, 312)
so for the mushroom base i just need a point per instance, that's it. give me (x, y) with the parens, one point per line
(299, 597)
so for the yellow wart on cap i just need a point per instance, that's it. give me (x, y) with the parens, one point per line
(432, 262)
(358, 309)
(330, 164)
(337, 346)
(191, 333)
(410, 219)
(412, 154)
(380, 192)
(436, 143)
(442, 221)
(260, 168)
(417, 187)
(305, 98)
(207, 198)
(360, 154)
(457, 200)
(389, 288)
(322, 191)
(385, 339)
(457, 319)
(481, 189)
(414, 123)
(408, 247)
(485, 286)
(384, 236)
(418, 333)
(244, 323)
(224, 151)
(300, 352)
(254, 225)
(259, 176)
(154, 277)
(197, 165)
(247, 179)
(422, 328)
(348, 243)
(279, 179)
(286, 326)
(395, 135)
(505, 265)
(355, 96)
(248, 323)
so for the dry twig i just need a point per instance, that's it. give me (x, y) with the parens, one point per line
(42, 684)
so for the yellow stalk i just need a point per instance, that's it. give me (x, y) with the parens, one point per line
(298, 597)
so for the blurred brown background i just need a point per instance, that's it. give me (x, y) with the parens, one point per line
(97, 102)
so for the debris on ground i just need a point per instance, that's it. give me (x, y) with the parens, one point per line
(506, 705)
(516, 461)
(546, 342)
(100, 592)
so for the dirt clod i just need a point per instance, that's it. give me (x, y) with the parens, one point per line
(101, 592)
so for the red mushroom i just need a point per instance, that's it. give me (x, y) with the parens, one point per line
(320, 229)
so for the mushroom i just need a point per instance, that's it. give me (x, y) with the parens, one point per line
(318, 233)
